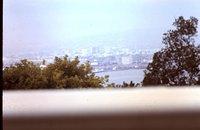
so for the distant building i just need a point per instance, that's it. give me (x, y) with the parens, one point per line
(94, 63)
(126, 60)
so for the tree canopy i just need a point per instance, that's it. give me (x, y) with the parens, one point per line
(178, 63)
(62, 73)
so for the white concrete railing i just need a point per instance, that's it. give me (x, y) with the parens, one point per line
(97, 109)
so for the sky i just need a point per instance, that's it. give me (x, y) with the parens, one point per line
(35, 25)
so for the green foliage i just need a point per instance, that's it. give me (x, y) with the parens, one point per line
(63, 73)
(178, 63)
(124, 85)
(23, 75)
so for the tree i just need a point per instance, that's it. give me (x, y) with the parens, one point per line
(178, 63)
(63, 73)
(23, 75)
(66, 73)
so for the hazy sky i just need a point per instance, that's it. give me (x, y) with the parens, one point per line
(34, 24)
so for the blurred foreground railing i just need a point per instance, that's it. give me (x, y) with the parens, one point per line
(102, 109)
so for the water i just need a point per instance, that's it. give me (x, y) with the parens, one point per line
(135, 75)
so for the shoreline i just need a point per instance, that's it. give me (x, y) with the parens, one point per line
(120, 70)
